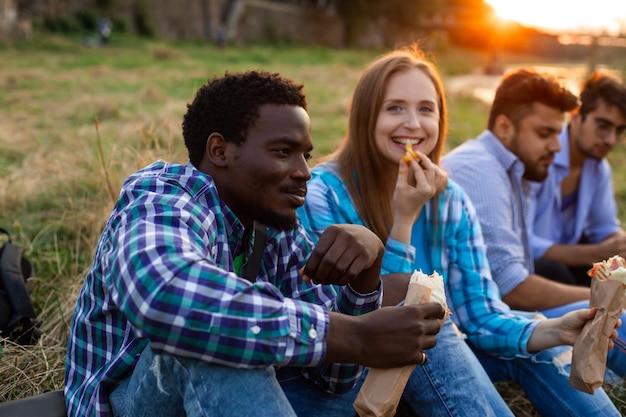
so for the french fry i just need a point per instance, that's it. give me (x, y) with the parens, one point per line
(409, 149)
(410, 153)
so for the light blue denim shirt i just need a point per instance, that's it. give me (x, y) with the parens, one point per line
(595, 212)
(492, 177)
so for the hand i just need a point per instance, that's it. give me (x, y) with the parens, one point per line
(612, 245)
(441, 179)
(564, 330)
(346, 254)
(417, 182)
(573, 322)
(386, 338)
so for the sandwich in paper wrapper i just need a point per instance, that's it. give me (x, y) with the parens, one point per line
(381, 391)
(608, 288)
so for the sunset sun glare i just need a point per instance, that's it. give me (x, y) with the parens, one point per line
(564, 15)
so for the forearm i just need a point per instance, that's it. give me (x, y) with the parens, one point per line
(339, 371)
(539, 293)
(547, 334)
(401, 229)
(395, 288)
(574, 255)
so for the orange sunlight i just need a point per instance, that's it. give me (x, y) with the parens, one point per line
(556, 16)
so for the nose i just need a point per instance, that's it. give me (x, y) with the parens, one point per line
(301, 169)
(611, 138)
(554, 144)
(412, 120)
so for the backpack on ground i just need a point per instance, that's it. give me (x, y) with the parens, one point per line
(18, 321)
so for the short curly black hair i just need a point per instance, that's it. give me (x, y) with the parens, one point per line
(229, 105)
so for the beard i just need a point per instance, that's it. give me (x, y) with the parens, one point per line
(276, 220)
(536, 171)
(535, 175)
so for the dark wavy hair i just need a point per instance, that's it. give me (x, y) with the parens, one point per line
(229, 105)
(601, 87)
(519, 89)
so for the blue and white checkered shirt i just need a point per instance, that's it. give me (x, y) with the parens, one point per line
(162, 274)
(491, 175)
(455, 247)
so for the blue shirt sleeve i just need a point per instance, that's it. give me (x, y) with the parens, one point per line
(475, 300)
(485, 171)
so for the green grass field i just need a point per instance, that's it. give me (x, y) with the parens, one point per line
(59, 173)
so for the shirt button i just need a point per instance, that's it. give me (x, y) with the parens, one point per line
(255, 329)
(312, 333)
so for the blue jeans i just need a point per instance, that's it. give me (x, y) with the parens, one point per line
(544, 377)
(545, 380)
(616, 360)
(452, 383)
(187, 387)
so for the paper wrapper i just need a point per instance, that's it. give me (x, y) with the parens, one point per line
(381, 391)
(591, 347)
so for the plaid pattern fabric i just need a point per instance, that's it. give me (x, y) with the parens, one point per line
(163, 272)
(456, 250)
(491, 175)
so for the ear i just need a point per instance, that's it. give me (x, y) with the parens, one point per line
(216, 149)
(504, 129)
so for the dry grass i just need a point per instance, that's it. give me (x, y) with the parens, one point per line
(55, 171)
(32, 370)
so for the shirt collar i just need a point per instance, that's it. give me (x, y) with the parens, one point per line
(561, 159)
(509, 161)
(232, 225)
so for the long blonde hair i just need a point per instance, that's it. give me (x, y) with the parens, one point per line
(359, 161)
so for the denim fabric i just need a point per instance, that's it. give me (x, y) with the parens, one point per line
(616, 360)
(545, 381)
(193, 388)
(452, 383)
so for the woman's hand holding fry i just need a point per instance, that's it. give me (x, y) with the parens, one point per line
(416, 183)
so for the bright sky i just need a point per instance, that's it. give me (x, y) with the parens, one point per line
(590, 16)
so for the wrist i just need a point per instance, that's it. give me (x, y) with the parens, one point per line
(368, 281)
(343, 343)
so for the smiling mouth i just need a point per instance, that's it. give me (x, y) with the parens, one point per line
(404, 141)
(296, 196)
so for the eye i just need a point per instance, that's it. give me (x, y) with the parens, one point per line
(426, 109)
(308, 156)
(545, 133)
(282, 151)
(395, 108)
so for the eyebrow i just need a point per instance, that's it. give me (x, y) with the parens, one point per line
(400, 100)
(607, 121)
(287, 141)
(547, 129)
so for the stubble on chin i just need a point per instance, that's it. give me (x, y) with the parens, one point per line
(277, 220)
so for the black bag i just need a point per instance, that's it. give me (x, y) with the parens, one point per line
(18, 321)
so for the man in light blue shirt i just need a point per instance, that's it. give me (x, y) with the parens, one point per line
(575, 213)
(497, 170)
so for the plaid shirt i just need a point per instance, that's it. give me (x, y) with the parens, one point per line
(492, 177)
(456, 250)
(162, 275)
